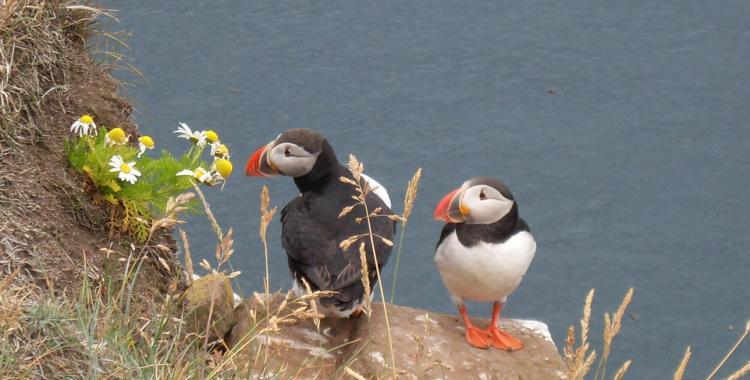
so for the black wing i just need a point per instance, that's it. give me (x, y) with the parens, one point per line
(311, 238)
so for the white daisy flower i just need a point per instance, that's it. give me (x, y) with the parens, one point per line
(145, 142)
(126, 170)
(200, 174)
(116, 137)
(197, 137)
(83, 126)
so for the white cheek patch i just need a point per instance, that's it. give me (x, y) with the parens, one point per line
(492, 208)
(296, 164)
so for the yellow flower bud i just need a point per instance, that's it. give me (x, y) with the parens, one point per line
(147, 141)
(212, 136)
(224, 167)
(117, 135)
(87, 119)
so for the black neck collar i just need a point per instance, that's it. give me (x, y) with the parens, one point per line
(326, 168)
(498, 232)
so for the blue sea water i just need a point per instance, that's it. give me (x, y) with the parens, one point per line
(623, 129)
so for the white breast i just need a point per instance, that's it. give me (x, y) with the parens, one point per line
(485, 272)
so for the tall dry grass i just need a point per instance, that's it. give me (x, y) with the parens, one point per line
(612, 325)
(579, 357)
(112, 332)
(731, 352)
(738, 374)
(362, 189)
(409, 198)
(34, 40)
(682, 367)
(266, 215)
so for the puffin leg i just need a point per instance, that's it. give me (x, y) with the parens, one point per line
(499, 338)
(474, 336)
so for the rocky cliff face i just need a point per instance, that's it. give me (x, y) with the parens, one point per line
(426, 345)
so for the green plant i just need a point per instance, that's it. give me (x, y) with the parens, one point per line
(139, 184)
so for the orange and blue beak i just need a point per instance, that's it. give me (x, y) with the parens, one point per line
(450, 209)
(259, 165)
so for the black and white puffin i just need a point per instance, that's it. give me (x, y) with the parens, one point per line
(483, 253)
(311, 227)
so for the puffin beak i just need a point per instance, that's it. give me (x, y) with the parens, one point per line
(258, 165)
(450, 209)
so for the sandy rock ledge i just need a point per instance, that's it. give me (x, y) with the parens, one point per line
(427, 346)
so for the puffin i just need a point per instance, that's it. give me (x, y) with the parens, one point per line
(483, 253)
(311, 227)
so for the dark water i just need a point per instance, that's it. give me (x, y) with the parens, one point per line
(623, 130)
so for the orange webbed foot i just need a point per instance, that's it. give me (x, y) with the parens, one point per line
(477, 338)
(500, 339)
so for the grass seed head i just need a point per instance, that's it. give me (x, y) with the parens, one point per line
(740, 373)
(680, 371)
(366, 302)
(620, 374)
(356, 167)
(411, 194)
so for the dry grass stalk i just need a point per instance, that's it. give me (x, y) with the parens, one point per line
(34, 61)
(266, 216)
(731, 351)
(620, 374)
(210, 215)
(356, 167)
(312, 304)
(582, 360)
(424, 353)
(175, 206)
(740, 372)
(346, 210)
(346, 243)
(289, 311)
(586, 317)
(225, 249)
(409, 199)
(362, 188)
(612, 325)
(570, 345)
(612, 329)
(411, 194)
(7, 280)
(353, 374)
(367, 301)
(188, 256)
(680, 371)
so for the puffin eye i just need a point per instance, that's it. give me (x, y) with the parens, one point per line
(286, 152)
(482, 196)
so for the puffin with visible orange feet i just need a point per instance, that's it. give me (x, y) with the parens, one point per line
(483, 253)
(311, 226)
